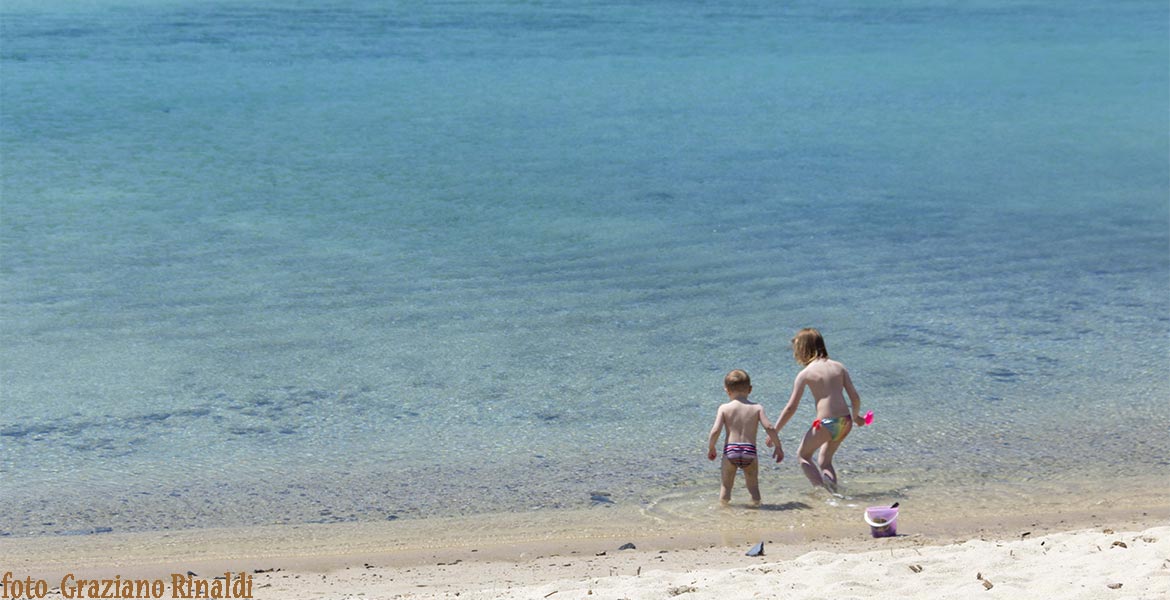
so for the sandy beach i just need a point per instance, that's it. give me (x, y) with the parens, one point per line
(1114, 554)
(1084, 564)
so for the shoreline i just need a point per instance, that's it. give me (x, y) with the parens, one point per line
(521, 538)
(1118, 557)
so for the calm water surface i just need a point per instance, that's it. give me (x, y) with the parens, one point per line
(282, 261)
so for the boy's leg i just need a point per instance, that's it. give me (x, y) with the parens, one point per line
(751, 479)
(727, 474)
(813, 439)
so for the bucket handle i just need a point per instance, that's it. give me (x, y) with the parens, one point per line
(886, 524)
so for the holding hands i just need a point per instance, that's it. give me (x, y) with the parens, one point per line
(777, 452)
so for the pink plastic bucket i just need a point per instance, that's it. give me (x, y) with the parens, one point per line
(882, 520)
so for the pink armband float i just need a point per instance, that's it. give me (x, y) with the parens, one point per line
(869, 418)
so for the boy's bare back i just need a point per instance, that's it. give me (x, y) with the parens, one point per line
(742, 419)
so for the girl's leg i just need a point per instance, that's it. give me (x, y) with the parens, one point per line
(825, 461)
(813, 439)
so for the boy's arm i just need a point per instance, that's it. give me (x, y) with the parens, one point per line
(714, 436)
(773, 439)
(854, 398)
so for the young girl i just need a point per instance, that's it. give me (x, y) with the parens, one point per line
(829, 382)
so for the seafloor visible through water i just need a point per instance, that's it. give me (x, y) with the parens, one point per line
(286, 262)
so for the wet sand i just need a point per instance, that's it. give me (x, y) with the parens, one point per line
(569, 554)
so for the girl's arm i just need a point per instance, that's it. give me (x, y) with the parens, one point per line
(854, 398)
(714, 437)
(793, 402)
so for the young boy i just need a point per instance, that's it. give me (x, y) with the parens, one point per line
(741, 418)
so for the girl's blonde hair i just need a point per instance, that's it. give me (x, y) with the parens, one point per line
(808, 345)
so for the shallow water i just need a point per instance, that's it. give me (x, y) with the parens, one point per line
(290, 261)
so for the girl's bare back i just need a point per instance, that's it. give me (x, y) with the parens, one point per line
(828, 381)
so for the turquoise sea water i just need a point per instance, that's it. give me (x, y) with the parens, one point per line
(291, 261)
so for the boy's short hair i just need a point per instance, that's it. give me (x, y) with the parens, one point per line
(808, 345)
(737, 381)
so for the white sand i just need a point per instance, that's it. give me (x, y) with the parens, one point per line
(1081, 564)
(573, 555)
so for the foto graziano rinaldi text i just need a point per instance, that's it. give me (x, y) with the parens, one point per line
(178, 585)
